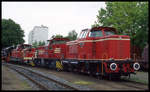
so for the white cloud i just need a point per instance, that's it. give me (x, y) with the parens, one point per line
(59, 17)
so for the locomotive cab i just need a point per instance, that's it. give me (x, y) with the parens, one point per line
(57, 48)
(51, 55)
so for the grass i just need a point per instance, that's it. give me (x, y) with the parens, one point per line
(138, 80)
(26, 86)
(83, 82)
(133, 78)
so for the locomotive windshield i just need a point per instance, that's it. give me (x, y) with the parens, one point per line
(83, 34)
(109, 32)
(96, 33)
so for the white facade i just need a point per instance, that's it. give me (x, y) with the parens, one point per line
(39, 33)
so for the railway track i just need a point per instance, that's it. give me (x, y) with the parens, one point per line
(44, 82)
(122, 84)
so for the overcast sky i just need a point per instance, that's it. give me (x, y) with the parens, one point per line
(59, 17)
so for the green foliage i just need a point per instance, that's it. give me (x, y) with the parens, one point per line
(41, 43)
(72, 35)
(12, 34)
(129, 18)
(95, 25)
(36, 44)
(57, 36)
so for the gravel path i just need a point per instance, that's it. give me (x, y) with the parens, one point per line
(11, 80)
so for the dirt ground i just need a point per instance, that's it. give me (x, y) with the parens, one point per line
(10, 81)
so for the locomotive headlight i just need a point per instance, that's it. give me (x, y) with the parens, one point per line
(136, 66)
(113, 66)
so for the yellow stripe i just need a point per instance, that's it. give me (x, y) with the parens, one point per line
(71, 43)
(101, 59)
(31, 63)
(57, 50)
(27, 57)
(58, 65)
(95, 59)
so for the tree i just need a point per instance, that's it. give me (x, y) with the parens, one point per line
(129, 18)
(41, 43)
(12, 34)
(36, 44)
(57, 36)
(72, 35)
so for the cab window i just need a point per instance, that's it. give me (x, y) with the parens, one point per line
(96, 33)
(59, 42)
(109, 33)
(80, 35)
(83, 34)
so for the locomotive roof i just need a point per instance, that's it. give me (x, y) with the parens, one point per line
(59, 39)
(107, 28)
(24, 44)
(85, 29)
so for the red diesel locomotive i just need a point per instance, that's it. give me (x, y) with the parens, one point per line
(100, 51)
(18, 54)
(97, 51)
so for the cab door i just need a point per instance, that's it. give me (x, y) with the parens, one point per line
(82, 45)
(51, 49)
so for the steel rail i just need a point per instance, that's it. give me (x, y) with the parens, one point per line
(35, 82)
(40, 85)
